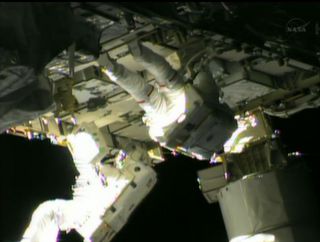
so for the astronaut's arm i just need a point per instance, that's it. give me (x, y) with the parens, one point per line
(54, 215)
(48, 218)
(103, 198)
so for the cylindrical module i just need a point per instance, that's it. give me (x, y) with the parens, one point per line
(278, 206)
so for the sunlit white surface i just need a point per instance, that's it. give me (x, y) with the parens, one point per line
(110, 74)
(255, 238)
(83, 147)
(197, 156)
(167, 113)
(232, 141)
(182, 118)
(240, 138)
(91, 196)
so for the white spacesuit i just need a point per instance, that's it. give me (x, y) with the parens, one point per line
(177, 114)
(163, 105)
(102, 197)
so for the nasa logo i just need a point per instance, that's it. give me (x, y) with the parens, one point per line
(297, 25)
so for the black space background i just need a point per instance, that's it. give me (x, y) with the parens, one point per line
(34, 171)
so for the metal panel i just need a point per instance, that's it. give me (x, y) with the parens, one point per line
(272, 203)
(210, 181)
(253, 205)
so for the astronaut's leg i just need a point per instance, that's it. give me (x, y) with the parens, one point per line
(148, 98)
(165, 75)
(130, 81)
(46, 221)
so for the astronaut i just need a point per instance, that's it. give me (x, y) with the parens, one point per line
(102, 197)
(159, 105)
(175, 101)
